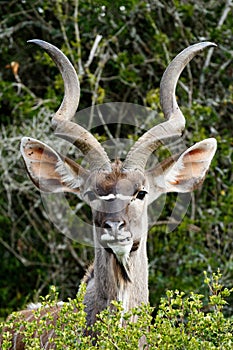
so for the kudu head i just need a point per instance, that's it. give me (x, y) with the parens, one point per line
(118, 192)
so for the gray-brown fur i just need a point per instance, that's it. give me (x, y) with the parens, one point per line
(108, 283)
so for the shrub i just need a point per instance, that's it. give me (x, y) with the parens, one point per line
(139, 39)
(182, 322)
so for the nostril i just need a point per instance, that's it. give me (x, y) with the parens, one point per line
(114, 225)
(121, 225)
(107, 225)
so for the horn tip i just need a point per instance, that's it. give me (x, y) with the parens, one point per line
(208, 43)
(33, 40)
(39, 42)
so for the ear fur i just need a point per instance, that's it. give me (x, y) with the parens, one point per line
(50, 171)
(185, 173)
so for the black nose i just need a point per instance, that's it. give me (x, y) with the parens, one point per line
(114, 226)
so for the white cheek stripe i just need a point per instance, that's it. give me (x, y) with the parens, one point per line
(108, 197)
(115, 196)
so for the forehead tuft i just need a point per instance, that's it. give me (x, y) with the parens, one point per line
(117, 182)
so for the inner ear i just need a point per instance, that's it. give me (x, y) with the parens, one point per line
(50, 171)
(190, 169)
(183, 173)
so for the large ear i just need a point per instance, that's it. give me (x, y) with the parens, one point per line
(50, 171)
(186, 173)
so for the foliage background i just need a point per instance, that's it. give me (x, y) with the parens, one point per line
(139, 38)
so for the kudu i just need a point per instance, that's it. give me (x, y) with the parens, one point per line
(119, 192)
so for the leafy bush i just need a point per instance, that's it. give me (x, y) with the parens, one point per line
(182, 322)
(138, 40)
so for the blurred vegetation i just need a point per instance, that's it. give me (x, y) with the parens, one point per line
(135, 41)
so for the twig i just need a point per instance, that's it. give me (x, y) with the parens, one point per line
(191, 227)
(108, 132)
(78, 39)
(97, 74)
(23, 260)
(226, 10)
(63, 29)
(93, 50)
(74, 254)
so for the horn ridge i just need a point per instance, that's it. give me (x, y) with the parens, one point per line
(61, 121)
(70, 101)
(170, 78)
(174, 126)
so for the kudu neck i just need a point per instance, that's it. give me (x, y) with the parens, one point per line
(111, 283)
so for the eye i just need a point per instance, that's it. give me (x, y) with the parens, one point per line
(141, 194)
(90, 195)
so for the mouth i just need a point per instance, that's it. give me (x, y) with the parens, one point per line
(120, 245)
(121, 240)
